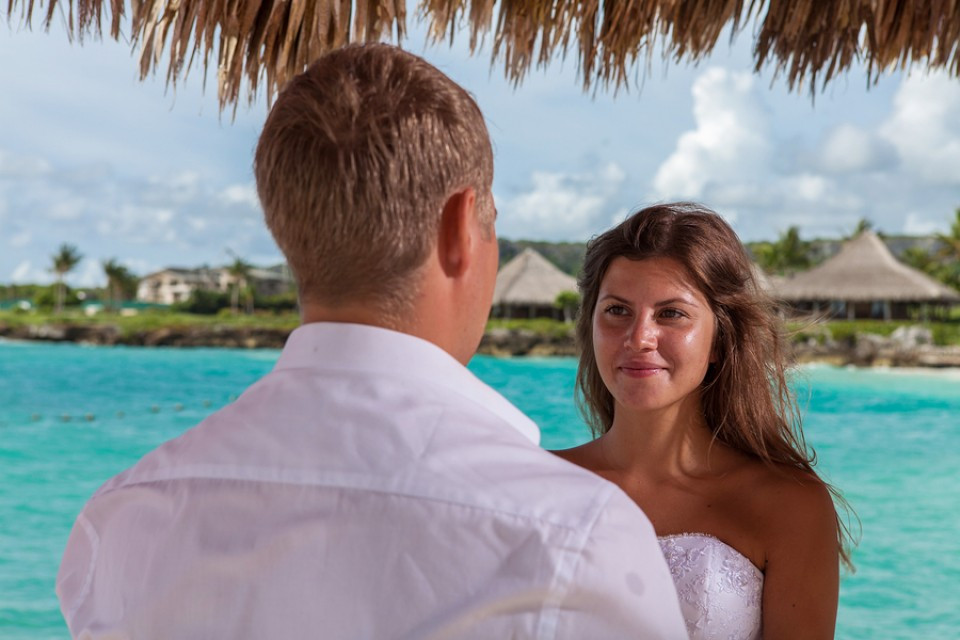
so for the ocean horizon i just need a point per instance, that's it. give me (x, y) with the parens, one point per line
(72, 416)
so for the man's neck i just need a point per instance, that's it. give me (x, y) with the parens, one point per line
(416, 323)
(350, 313)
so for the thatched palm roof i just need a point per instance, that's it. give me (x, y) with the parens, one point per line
(269, 41)
(531, 279)
(864, 270)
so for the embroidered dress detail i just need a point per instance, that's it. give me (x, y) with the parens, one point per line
(720, 590)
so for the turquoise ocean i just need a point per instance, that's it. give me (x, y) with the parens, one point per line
(72, 416)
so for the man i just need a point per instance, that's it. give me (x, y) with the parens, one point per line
(369, 486)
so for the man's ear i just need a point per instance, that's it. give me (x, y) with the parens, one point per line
(457, 232)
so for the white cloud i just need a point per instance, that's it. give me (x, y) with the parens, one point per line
(182, 218)
(241, 194)
(918, 224)
(20, 167)
(25, 273)
(849, 148)
(21, 239)
(925, 127)
(729, 143)
(561, 205)
(765, 179)
(89, 273)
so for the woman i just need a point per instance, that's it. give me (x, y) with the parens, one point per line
(682, 379)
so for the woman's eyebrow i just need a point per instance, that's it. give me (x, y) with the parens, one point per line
(681, 299)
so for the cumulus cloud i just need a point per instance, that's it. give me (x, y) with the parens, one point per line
(179, 219)
(21, 239)
(848, 148)
(920, 224)
(241, 194)
(763, 180)
(561, 206)
(730, 141)
(25, 273)
(925, 127)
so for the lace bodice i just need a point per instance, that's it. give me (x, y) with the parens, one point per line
(719, 589)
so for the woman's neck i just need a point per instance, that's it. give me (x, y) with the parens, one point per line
(666, 443)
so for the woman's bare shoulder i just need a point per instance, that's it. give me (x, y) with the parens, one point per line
(795, 503)
(584, 455)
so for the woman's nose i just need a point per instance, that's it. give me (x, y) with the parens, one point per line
(642, 336)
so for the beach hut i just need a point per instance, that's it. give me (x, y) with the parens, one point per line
(864, 280)
(528, 286)
(267, 42)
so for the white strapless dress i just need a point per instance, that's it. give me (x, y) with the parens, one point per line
(720, 590)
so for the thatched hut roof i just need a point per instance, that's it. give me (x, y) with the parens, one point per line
(270, 41)
(864, 270)
(531, 279)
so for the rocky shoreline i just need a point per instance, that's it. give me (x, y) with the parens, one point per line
(907, 347)
(105, 334)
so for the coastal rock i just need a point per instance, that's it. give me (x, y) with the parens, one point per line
(524, 342)
(911, 337)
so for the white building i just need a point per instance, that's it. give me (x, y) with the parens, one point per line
(173, 285)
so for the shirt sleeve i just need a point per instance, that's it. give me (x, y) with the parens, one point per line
(620, 585)
(76, 569)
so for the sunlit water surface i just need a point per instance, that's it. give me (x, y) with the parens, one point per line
(72, 416)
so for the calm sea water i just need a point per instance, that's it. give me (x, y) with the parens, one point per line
(72, 416)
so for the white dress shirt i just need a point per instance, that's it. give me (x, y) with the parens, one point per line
(368, 487)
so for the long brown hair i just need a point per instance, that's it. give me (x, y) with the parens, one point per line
(747, 402)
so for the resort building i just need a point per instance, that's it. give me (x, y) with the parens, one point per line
(173, 285)
(865, 280)
(528, 286)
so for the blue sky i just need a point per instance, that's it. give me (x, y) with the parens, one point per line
(154, 177)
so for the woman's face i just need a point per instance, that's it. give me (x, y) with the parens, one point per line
(652, 334)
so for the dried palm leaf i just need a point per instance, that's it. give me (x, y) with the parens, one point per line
(266, 42)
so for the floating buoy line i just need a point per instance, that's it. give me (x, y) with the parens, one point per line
(205, 406)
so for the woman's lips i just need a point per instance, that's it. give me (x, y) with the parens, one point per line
(640, 369)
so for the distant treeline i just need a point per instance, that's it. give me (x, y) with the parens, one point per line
(568, 256)
(936, 255)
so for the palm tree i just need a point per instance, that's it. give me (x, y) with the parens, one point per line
(789, 253)
(239, 270)
(950, 252)
(119, 279)
(865, 224)
(951, 241)
(64, 261)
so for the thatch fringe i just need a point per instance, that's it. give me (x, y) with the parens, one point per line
(266, 42)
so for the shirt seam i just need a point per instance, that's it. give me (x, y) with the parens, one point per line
(436, 384)
(338, 481)
(91, 532)
(568, 567)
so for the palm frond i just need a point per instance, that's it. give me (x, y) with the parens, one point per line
(266, 42)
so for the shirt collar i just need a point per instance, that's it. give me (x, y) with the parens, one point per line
(357, 347)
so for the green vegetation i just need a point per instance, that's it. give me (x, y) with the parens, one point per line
(569, 303)
(64, 261)
(944, 333)
(787, 255)
(151, 320)
(121, 283)
(547, 327)
(943, 264)
(567, 256)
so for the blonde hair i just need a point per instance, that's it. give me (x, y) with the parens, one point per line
(746, 400)
(353, 167)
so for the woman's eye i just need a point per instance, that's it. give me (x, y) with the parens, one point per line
(616, 310)
(672, 313)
